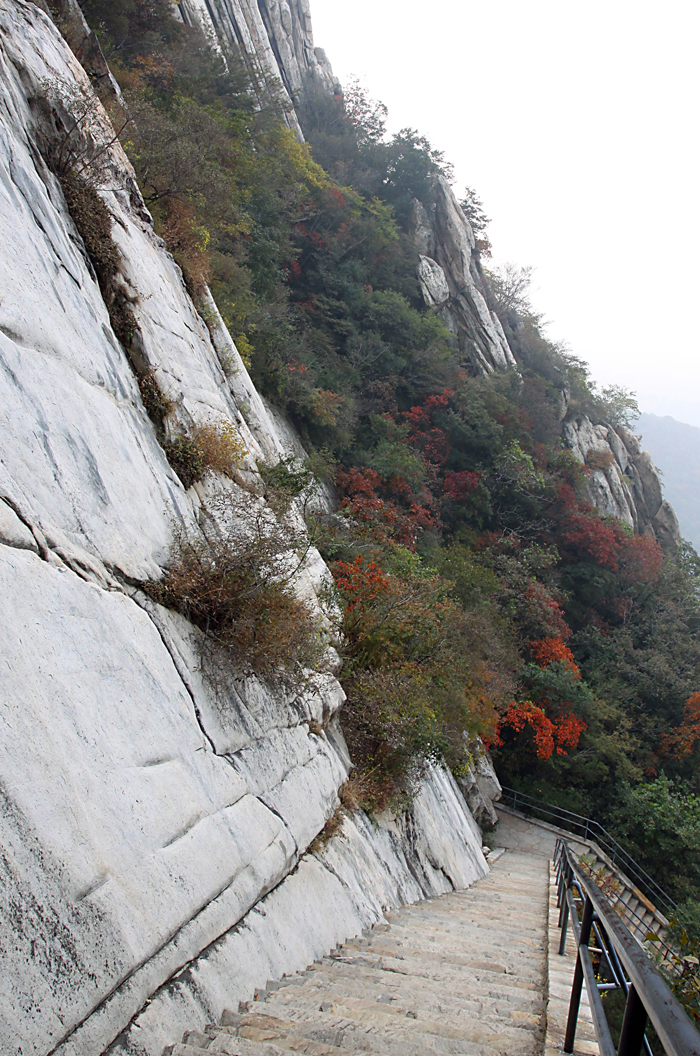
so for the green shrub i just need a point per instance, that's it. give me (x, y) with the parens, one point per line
(157, 404)
(184, 456)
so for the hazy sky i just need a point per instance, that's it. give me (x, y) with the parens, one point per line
(577, 124)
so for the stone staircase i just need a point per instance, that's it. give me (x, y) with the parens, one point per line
(463, 974)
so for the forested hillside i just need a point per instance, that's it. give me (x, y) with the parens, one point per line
(483, 596)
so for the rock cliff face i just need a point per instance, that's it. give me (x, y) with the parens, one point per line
(156, 829)
(450, 282)
(275, 35)
(623, 482)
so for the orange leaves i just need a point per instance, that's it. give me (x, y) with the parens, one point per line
(567, 732)
(682, 741)
(518, 716)
(553, 650)
(361, 582)
(326, 405)
(561, 735)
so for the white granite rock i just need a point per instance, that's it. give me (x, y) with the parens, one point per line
(334, 894)
(481, 789)
(629, 486)
(433, 283)
(666, 526)
(480, 333)
(276, 35)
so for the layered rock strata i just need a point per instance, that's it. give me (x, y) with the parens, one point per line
(157, 827)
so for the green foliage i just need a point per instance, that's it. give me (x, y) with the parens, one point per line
(660, 824)
(157, 404)
(94, 223)
(183, 454)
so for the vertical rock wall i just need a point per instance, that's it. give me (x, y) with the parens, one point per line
(450, 282)
(276, 37)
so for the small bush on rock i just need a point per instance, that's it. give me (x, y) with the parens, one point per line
(157, 404)
(215, 447)
(184, 456)
(220, 447)
(599, 459)
(238, 589)
(94, 222)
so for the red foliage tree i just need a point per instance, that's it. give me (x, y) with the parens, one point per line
(361, 582)
(546, 651)
(424, 435)
(681, 742)
(560, 735)
(381, 516)
(459, 485)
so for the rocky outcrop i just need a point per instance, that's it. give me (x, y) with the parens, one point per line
(157, 826)
(481, 789)
(623, 481)
(276, 37)
(450, 282)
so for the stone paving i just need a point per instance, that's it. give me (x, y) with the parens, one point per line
(464, 974)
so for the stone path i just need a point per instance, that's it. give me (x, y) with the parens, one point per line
(464, 974)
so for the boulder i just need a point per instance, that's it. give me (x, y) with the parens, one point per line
(481, 789)
(651, 482)
(666, 526)
(433, 283)
(421, 229)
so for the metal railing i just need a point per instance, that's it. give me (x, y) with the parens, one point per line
(588, 829)
(614, 961)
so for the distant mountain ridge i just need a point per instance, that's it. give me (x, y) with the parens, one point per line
(675, 448)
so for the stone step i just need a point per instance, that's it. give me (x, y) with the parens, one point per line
(363, 1039)
(454, 986)
(340, 1035)
(510, 1023)
(458, 975)
(402, 1040)
(481, 967)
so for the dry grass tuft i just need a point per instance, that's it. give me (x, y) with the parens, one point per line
(329, 830)
(599, 459)
(238, 589)
(220, 447)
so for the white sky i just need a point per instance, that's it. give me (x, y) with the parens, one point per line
(577, 125)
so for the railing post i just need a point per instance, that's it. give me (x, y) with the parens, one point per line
(584, 936)
(632, 1033)
(564, 925)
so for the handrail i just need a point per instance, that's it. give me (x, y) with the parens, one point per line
(593, 829)
(648, 996)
